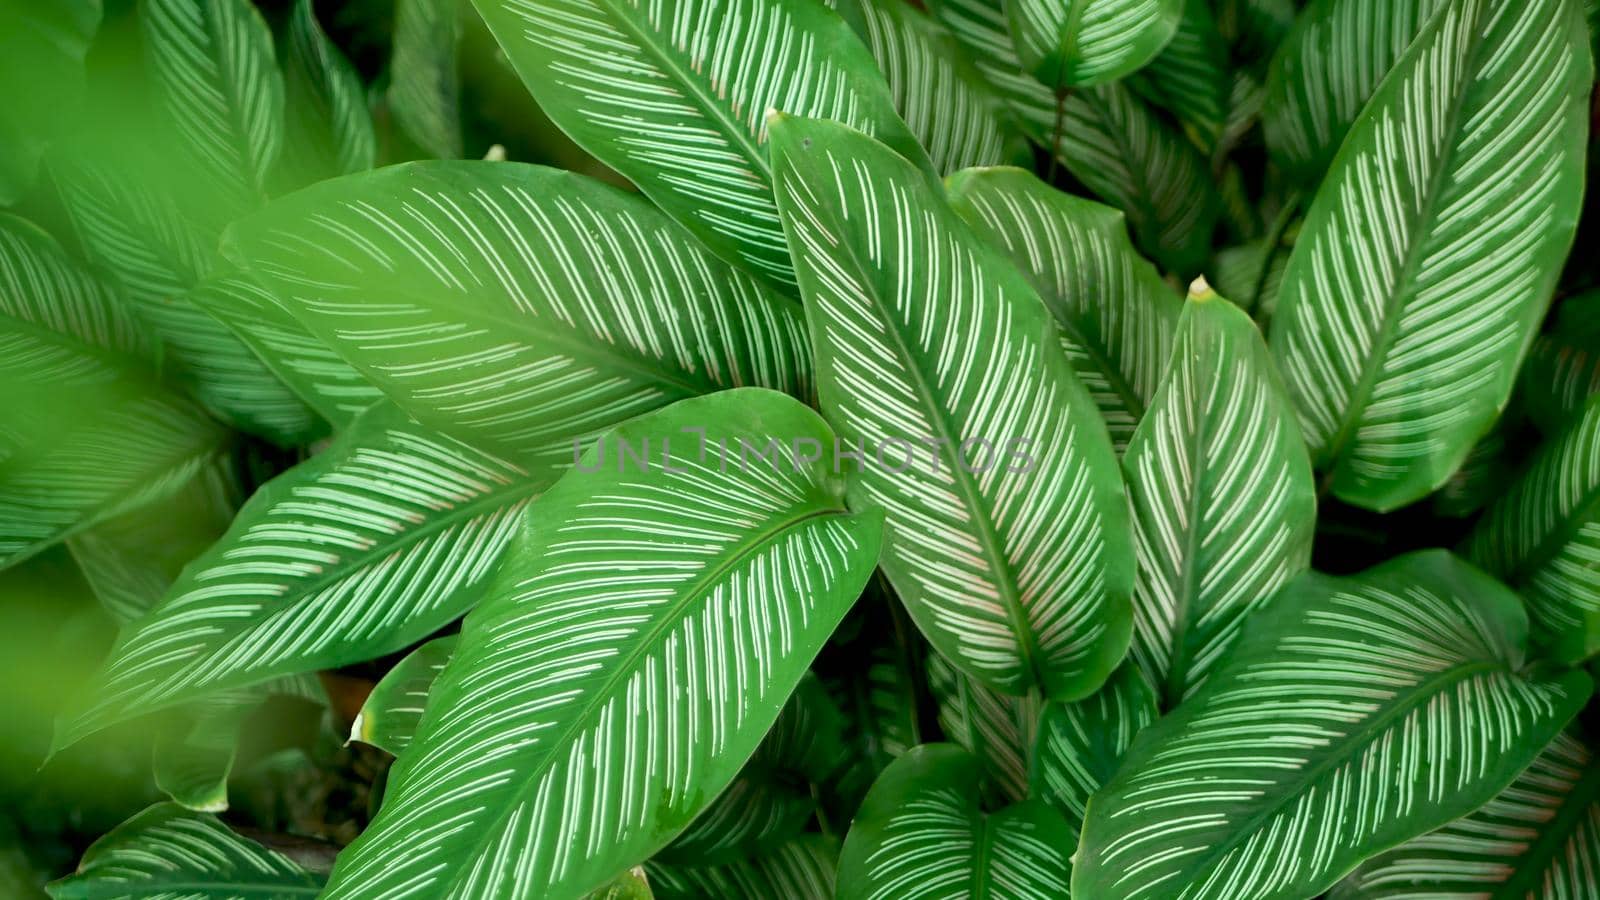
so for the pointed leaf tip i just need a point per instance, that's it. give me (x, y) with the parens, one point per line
(1200, 290)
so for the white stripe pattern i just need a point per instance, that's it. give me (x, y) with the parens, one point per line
(424, 87)
(998, 729)
(800, 869)
(327, 127)
(1081, 43)
(1080, 745)
(388, 719)
(1562, 370)
(1193, 78)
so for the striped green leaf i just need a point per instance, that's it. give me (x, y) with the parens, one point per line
(389, 718)
(1192, 78)
(68, 344)
(943, 98)
(1355, 714)
(1538, 840)
(1224, 506)
(1542, 537)
(1079, 746)
(1562, 370)
(170, 853)
(1115, 313)
(674, 96)
(936, 357)
(516, 306)
(997, 729)
(802, 869)
(642, 638)
(1106, 137)
(1080, 43)
(1328, 67)
(42, 48)
(920, 834)
(424, 80)
(358, 552)
(327, 127)
(1400, 343)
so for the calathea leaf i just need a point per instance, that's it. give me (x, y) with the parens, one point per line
(920, 834)
(1562, 370)
(171, 853)
(802, 869)
(1079, 746)
(936, 357)
(945, 101)
(1539, 838)
(641, 640)
(388, 719)
(1399, 699)
(1115, 312)
(424, 79)
(672, 98)
(1480, 478)
(327, 127)
(1224, 506)
(1541, 537)
(362, 550)
(1192, 78)
(41, 75)
(1079, 43)
(514, 305)
(68, 343)
(996, 728)
(1400, 343)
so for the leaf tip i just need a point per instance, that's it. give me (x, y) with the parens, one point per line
(1200, 290)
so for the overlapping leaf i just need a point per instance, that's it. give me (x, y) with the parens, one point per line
(425, 84)
(936, 356)
(517, 306)
(641, 640)
(389, 718)
(327, 128)
(1080, 43)
(996, 728)
(1562, 370)
(1355, 713)
(1079, 746)
(1429, 254)
(1192, 78)
(802, 869)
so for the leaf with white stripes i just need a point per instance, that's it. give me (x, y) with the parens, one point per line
(1328, 67)
(802, 869)
(996, 728)
(388, 719)
(642, 638)
(920, 835)
(1542, 537)
(1356, 713)
(1224, 506)
(170, 853)
(944, 100)
(936, 356)
(360, 551)
(514, 305)
(1106, 137)
(1079, 746)
(424, 82)
(327, 126)
(1538, 840)
(1562, 370)
(68, 343)
(674, 95)
(1115, 312)
(1430, 253)
(1080, 43)
(1193, 78)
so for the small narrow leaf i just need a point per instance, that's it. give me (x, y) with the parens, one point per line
(1079, 746)
(424, 81)
(1563, 367)
(1080, 43)
(995, 728)
(389, 718)
(327, 127)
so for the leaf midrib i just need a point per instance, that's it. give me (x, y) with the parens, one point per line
(1587, 509)
(1178, 673)
(1530, 868)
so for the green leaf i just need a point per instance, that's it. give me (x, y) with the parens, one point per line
(194, 759)
(1541, 537)
(1080, 43)
(514, 305)
(1326, 70)
(89, 432)
(801, 869)
(642, 639)
(920, 834)
(1079, 746)
(996, 728)
(1192, 78)
(1224, 506)
(675, 100)
(936, 357)
(327, 127)
(424, 82)
(360, 551)
(1480, 479)
(630, 885)
(1539, 838)
(170, 853)
(1255, 28)
(389, 718)
(1115, 313)
(1355, 713)
(42, 48)
(944, 100)
(1400, 341)
(1562, 370)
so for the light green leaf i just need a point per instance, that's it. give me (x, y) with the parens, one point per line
(389, 718)
(630, 885)
(1355, 713)
(1079, 746)
(424, 81)
(360, 551)
(1562, 370)
(1080, 43)
(674, 99)
(936, 357)
(920, 834)
(1326, 70)
(1429, 255)
(1539, 839)
(944, 100)
(1115, 312)
(328, 128)
(801, 869)
(1224, 506)
(642, 639)
(1541, 537)
(194, 757)
(514, 305)
(42, 48)
(996, 728)
(1193, 78)
(88, 432)
(170, 853)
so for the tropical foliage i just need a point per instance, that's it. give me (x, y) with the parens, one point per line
(799, 449)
